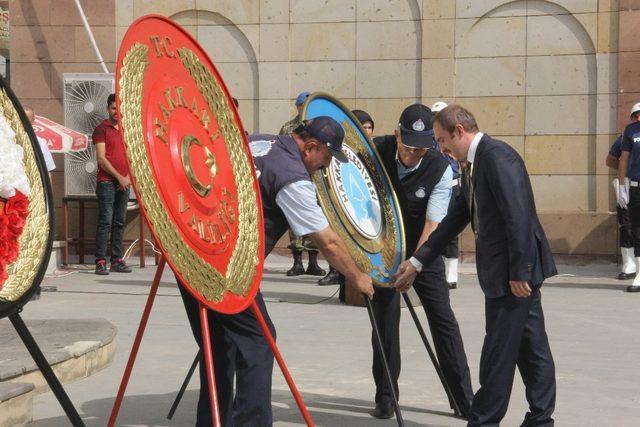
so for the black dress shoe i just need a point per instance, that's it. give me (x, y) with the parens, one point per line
(383, 411)
(332, 278)
(626, 276)
(633, 288)
(452, 285)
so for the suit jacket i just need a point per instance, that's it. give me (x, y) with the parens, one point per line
(510, 242)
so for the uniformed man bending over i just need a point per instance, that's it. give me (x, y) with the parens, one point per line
(283, 164)
(421, 179)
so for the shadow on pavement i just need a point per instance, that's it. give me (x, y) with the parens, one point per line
(151, 410)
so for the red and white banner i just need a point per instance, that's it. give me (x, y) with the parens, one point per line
(59, 139)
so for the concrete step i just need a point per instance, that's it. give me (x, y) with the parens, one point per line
(75, 349)
(16, 403)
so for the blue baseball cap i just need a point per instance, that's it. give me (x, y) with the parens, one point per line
(302, 96)
(416, 126)
(325, 129)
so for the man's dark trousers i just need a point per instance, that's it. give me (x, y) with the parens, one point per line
(515, 336)
(239, 347)
(625, 229)
(112, 213)
(432, 289)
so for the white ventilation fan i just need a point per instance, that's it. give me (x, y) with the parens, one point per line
(80, 170)
(85, 107)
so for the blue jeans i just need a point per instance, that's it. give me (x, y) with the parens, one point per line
(112, 213)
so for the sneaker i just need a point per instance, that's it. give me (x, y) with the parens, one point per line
(101, 268)
(119, 266)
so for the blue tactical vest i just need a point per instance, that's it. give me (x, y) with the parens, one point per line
(278, 163)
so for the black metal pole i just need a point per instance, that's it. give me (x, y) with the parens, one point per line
(46, 370)
(434, 360)
(185, 383)
(384, 361)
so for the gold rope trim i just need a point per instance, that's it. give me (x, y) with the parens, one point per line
(390, 233)
(33, 241)
(200, 275)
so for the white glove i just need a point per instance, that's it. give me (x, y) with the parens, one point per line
(623, 196)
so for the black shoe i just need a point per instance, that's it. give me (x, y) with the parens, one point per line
(101, 268)
(633, 288)
(626, 276)
(464, 413)
(298, 268)
(383, 411)
(119, 266)
(332, 278)
(313, 268)
(453, 285)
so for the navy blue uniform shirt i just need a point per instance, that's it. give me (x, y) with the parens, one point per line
(631, 143)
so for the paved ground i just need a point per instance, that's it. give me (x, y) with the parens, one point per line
(592, 324)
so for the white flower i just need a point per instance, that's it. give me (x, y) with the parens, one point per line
(12, 173)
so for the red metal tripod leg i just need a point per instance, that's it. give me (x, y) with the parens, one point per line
(208, 360)
(136, 344)
(283, 367)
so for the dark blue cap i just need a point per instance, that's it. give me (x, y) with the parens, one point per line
(416, 127)
(302, 96)
(327, 130)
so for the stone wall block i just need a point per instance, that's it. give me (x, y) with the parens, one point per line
(490, 76)
(497, 115)
(304, 11)
(321, 42)
(386, 79)
(560, 154)
(564, 115)
(387, 40)
(491, 36)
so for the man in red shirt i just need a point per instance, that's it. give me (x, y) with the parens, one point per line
(112, 191)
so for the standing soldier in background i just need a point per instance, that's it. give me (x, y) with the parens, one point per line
(624, 219)
(299, 244)
(629, 167)
(452, 250)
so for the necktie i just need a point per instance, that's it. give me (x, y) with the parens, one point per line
(467, 183)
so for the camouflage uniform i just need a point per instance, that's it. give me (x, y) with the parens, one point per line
(290, 126)
(302, 243)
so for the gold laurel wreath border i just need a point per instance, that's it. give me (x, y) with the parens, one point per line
(32, 243)
(390, 233)
(200, 275)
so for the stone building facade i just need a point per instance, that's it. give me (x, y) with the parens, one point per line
(555, 79)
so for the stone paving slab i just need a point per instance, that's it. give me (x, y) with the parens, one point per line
(592, 325)
(59, 340)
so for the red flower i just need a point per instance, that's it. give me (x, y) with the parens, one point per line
(16, 222)
(13, 215)
(5, 233)
(19, 204)
(3, 272)
(4, 248)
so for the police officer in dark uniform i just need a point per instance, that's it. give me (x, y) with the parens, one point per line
(421, 178)
(625, 234)
(630, 196)
(283, 166)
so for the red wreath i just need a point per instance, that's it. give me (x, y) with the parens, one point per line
(13, 217)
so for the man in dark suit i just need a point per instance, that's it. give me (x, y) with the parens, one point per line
(513, 258)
